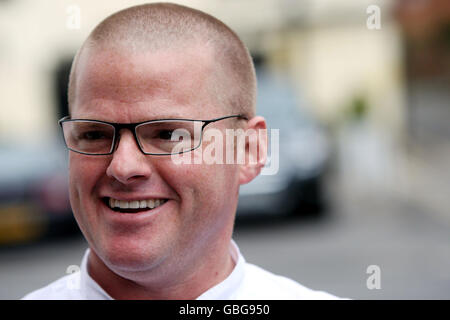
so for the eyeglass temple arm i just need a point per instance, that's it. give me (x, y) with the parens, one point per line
(63, 118)
(206, 122)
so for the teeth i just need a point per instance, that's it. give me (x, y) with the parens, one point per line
(136, 204)
(124, 204)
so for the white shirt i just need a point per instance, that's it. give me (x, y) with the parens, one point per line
(246, 282)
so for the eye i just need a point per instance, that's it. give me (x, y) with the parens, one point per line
(93, 135)
(165, 134)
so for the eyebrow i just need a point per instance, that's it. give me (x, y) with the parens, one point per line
(150, 118)
(170, 112)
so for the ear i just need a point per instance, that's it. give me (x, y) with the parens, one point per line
(255, 149)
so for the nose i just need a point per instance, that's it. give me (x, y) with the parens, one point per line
(128, 163)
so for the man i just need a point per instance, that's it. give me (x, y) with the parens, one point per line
(159, 228)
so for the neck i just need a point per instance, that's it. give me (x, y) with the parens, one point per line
(188, 282)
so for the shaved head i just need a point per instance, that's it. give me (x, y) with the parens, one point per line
(156, 27)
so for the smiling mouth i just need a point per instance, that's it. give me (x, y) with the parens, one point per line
(134, 206)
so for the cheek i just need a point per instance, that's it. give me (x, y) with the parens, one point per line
(217, 200)
(206, 206)
(205, 189)
(84, 172)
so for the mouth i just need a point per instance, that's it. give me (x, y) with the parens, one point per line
(133, 206)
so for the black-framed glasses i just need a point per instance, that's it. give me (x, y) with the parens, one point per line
(155, 137)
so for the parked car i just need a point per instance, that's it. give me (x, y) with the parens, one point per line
(297, 185)
(34, 199)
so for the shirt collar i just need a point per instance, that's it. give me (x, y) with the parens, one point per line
(89, 287)
(228, 287)
(221, 291)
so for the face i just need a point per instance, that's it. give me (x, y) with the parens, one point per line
(199, 199)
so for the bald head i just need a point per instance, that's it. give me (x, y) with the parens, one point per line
(157, 27)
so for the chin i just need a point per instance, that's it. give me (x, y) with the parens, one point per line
(131, 256)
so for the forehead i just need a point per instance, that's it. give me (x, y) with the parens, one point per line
(114, 83)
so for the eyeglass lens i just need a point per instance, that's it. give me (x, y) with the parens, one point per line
(159, 137)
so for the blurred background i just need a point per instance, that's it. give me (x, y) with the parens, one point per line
(360, 92)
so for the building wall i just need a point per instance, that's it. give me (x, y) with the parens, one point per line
(324, 46)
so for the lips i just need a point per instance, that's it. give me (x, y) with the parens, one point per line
(133, 206)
